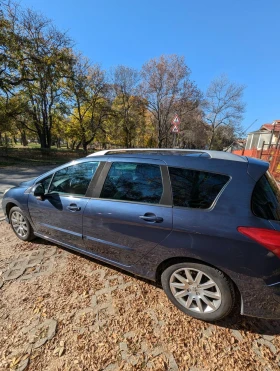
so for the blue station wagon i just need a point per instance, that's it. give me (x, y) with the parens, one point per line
(203, 224)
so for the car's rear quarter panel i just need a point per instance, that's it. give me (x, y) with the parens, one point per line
(211, 236)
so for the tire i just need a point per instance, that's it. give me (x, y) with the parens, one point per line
(186, 280)
(20, 224)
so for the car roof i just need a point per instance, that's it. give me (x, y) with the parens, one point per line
(203, 160)
(171, 152)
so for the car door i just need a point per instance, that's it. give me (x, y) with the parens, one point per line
(59, 215)
(131, 211)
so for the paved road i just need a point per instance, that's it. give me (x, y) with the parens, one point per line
(12, 176)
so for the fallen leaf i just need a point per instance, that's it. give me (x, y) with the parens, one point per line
(56, 351)
(61, 352)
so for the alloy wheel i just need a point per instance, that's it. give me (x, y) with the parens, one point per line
(195, 290)
(19, 224)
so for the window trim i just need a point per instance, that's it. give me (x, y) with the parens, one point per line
(216, 198)
(165, 199)
(91, 191)
(52, 175)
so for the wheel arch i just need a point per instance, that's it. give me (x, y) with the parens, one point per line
(9, 205)
(181, 259)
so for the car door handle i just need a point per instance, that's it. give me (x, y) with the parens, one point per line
(148, 217)
(73, 207)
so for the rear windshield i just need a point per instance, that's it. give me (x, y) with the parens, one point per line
(266, 198)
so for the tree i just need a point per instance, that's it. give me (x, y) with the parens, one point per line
(194, 132)
(37, 63)
(127, 105)
(166, 86)
(14, 117)
(12, 50)
(87, 92)
(224, 106)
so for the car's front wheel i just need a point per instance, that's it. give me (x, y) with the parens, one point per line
(199, 290)
(20, 224)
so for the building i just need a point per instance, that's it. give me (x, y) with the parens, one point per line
(268, 134)
(238, 144)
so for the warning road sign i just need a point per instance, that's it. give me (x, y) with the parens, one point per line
(176, 121)
(175, 129)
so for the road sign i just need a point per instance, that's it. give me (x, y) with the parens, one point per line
(175, 129)
(176, 121)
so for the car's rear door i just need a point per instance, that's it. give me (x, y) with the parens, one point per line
(130, 212)
(59, 215)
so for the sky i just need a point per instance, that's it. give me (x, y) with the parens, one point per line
(239, 38)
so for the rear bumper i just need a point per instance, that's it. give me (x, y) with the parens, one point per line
(260, 300)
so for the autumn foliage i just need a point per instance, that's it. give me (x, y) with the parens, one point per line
(51, 94)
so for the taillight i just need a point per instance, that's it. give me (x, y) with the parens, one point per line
(266, 237)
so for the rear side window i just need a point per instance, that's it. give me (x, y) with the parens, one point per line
(195, 189)
(133, 182)
(266, 198)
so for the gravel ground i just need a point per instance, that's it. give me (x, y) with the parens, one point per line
(63, 311)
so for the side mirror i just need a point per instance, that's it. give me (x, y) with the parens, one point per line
(39, 191)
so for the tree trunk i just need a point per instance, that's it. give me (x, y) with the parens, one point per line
(24, 140)
(166, 142)
(6, 140)
(126, 137)
(78, 145)
(49, 138)
(84, 142)
(45, 135)
(73, 145)
(160, 143)
(43, 140)
(212, 139)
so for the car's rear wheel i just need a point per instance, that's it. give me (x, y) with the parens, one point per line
(20, 224)
(199, 290)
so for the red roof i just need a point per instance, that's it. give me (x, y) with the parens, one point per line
(271, 127)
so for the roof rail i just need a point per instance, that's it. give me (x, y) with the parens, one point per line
(171, 151)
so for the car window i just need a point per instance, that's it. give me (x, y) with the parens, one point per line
(46, 182)
(73, 179)
(195, 189)
(133, 182)
(266, 198)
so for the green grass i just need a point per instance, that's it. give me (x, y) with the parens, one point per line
(35, 156)
(38, 146)
(15, 161)
(30, 145)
